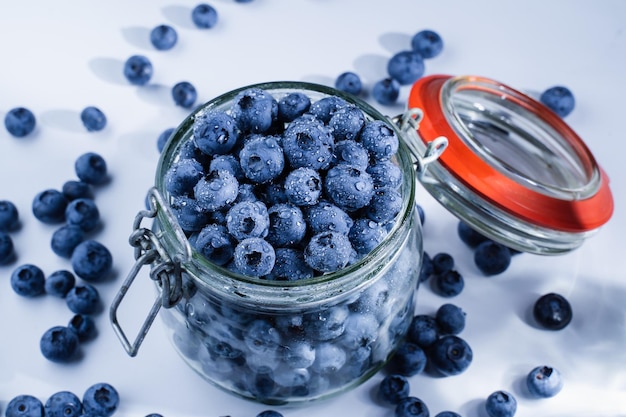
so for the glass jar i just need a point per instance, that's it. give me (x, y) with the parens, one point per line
(279, 341)
(496, 158)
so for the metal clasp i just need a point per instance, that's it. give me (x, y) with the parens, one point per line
(408, 123)
(165, 270)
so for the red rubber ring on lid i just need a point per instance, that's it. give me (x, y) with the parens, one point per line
(498, 189)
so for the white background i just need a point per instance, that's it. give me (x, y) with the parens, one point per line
(59, 56)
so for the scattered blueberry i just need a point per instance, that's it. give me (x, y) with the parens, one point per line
(163, 138)
(393, 388)
(83, 299)
(73, 190)
(84, 326)
(406, 67)
(204, 16)
(84, 213)
(63, 404)
(49, 206)
(409, 360)
(91, 261)
(328, 251)
(349, 82)
(423, 330)
(427, 43)
(386, 91)
(7, 252)
(254, 257)
(65, 239)
(442, 262)
(447, 414)
(163, 37)
(184, 94)
(449, 283)
(93, 119)
(544, 381)
(266, 413)
(9, 216)
(411, 407)
(28, 280)
(20, 122)
(552, 311)
(101, 399)
(91, 168)
(450, 319)
(138, 70)
(427, 269)
(492, 258)
(59, 344)
(450, 355)
(59, 282)
(24, 406)
(292, 106)
(469, 236)
(559, 99)
(501, 404)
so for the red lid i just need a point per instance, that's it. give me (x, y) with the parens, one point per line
(545, 205)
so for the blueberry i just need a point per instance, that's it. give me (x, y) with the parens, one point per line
(164, 137)
(93, 119)
(450, 319)
(469, 236)
(349, 187)
(406, 67)
(423, 330)
(290, 266)
(299, 355)
(379, 139)
(411, 407)
(204, 16)
(350, 152)
(138, 70)
(91, 261)
(409, 359)
(101, 399)
(427, 43)
(49, 206)
(163, 37)
(450, 355)
(9, 216)
(262, 159)
(559, 99)
(327, 217)
(292, 106)
(182, 176)
(84, 213)
(366, 234)
(215, 132)
(216, 190)
(329, 358)
(286, 225)
(214, 243)
(307, 142)
(254, 257)
(385, 173)
(361, 330)
(273, 192)
(552, 311)
(255, 110)
(393, 388)
(28, 280)
(84, 326)
(492, 258)
(349, 82)
(20, 122)
(303, 186)
(449, 283)
(24, 406)
(386, 91)
(63, 404)
(327, 324)
(328, 251)
(501, 404)
(59, 344)
(385, 205)
(246, 192)
(83, 299)
(184, 94)
(447, 414)
(229, 163)
(544, 381)
(91, 168)
(261, 337)
(65, 239)
(248, 219)
(59, 283)
(73, 190)
(347, 123)
(266, 413)
(7, 253)
(426, 269)
(188, 213)
(442, 262)
(323, 109)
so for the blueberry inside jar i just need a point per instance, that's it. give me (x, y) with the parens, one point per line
(300, 311)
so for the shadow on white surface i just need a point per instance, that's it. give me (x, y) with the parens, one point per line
(110, 70)
(63, 119)
(158, 94)
(138, 37)
(371, 67)
(179, 16)
(395, 42)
